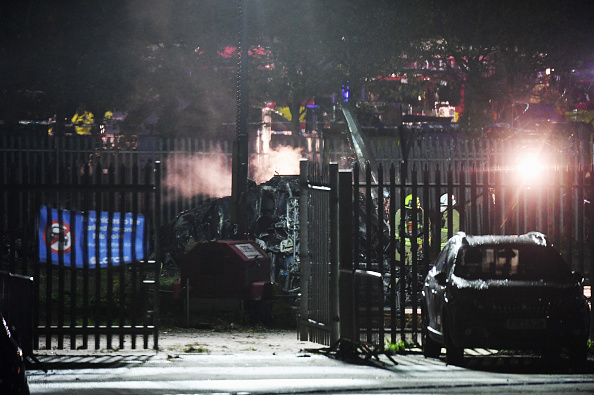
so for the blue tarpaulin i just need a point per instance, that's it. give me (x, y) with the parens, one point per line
(63, 233)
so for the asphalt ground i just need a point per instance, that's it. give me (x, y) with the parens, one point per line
(173, 341)
(264, 361)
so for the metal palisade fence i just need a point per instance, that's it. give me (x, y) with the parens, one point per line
(378, 258)
(85, 181)
(87, 236)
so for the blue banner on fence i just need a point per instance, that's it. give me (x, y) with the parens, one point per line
(65, 236)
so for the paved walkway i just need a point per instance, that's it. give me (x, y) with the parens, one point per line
(177, 341)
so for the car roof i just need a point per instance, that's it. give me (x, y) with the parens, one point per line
(531, 238)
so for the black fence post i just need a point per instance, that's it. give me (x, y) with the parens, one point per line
(304, 267)
(368, 249)
(437, 227)
(149, 172)
(356, 213)
(158, 254)
(567, 217)
(557, 208)
(48, 288)
(402, 254)
(134, 292)
(73, 270)
(122, 271)
(428, 222)
(415, 248)
(334, 312)
(345, 258)
(109, 282)
(392, 252)
(580, 226)
(473, 201)
(380, 251)
(97, 271)
(590, 238)
(87, 204)
(487, 205)
(462, 212)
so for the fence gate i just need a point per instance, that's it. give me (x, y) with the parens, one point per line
(318, 254)
(87, 239)
(341, 305)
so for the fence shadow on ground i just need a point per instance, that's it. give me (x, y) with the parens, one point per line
(63, 362)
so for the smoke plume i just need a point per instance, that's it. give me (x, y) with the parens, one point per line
(207, 174)
(210, 175)
(282, 160)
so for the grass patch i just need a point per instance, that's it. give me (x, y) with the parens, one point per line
(195, 348)
(398, 347)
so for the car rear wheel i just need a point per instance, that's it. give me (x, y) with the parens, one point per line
(431, 349)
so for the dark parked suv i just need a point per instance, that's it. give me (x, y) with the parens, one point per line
(503, 292)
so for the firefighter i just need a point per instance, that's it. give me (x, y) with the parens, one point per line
(107, 117)
(51, 123)
(443, 208)
(83, 121)
(409, 212)
(107, 129)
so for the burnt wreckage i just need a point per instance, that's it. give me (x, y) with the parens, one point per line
(271, 214)
(271, 211)
(273, 220)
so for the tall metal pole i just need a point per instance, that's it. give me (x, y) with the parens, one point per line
(240, 145)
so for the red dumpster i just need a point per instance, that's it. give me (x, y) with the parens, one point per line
(226, 269)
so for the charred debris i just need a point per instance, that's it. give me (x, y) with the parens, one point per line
(272, 217)
(272, 212)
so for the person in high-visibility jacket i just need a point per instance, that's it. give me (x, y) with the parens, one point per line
(443, 208)
(83, 121)
(409, 212)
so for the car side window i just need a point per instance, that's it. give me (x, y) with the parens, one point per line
(451, 259)
(440, 262)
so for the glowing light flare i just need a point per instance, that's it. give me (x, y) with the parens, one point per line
(531, 169)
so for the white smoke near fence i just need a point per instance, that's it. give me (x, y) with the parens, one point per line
(282, 160)
(210, 175)
(207, 174)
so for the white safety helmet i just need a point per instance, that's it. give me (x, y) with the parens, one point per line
(443, 202)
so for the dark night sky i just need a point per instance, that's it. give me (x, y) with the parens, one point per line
(113, 53)
(99, 51)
